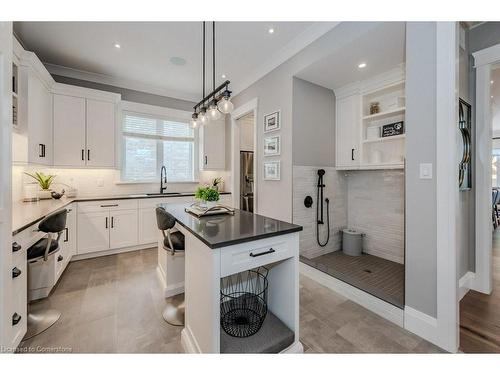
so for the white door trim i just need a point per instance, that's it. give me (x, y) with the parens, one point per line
(483, 279)
(244, 109)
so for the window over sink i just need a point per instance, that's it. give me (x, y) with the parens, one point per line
(151, 140)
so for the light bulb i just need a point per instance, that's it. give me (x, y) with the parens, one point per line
(225, 105)
(202, 117)
(194, 120)
(213, 112)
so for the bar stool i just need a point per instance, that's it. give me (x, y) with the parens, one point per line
(173, 242)
(41, 252)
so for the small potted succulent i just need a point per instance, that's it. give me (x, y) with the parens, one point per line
(207, 195)
(44, 181)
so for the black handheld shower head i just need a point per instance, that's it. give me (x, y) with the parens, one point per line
(321, 172)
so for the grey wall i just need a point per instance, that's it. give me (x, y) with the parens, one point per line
(313, 111)
(421, 234)
(484, 36)
(275, 91)
(130, 95)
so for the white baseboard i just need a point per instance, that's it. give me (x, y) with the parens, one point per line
(188, 342)
(171, 290)
(421, 324)
(295, 348)
(465, 284)
(111, 252)
(379, 307)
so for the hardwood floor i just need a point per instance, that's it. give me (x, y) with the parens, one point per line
(113, 304)
(480, 313)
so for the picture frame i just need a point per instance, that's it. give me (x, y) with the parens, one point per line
(272, 170)
(272, 145)
(272, 121)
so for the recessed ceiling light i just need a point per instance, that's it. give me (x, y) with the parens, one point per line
(117, 45)
(176, 60)
(362, 65)
(223, 76)
(492, 82)
(271, 30)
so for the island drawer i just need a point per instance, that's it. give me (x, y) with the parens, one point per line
(97, 206)
(245, 256)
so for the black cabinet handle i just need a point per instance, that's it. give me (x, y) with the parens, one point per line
(16, 318)
(352, 154)
(270, 251)
(112, 222)
(60, 258)
(66, 235)
(109, 205)
(106, 223)
(16, 272)
(41, 150)
(16, 247)
(206, 159)
(83, 154)
(88, 155)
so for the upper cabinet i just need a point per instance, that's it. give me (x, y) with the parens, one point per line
(212, 145)
(370, 123)
(84, 127)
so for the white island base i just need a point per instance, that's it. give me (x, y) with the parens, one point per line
(204, 268)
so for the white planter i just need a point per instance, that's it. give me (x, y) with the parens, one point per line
(44, 194)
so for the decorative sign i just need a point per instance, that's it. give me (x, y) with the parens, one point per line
(390, 130)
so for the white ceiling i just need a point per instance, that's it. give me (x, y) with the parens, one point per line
(382, 49)
(495, 100)
(245, 51)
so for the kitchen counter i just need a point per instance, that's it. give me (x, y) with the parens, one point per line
(25, 214)
(224, 230)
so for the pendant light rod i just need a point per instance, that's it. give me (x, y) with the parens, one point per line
(213, 56)
(203, 58)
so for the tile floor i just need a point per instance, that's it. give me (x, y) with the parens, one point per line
(113, 304)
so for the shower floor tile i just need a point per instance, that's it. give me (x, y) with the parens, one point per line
(380, 277)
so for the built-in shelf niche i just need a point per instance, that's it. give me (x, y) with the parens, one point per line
(383, 152)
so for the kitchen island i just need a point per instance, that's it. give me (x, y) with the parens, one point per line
(222, 245)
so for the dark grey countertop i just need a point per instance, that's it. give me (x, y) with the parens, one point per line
(25, 214)
(224, 230)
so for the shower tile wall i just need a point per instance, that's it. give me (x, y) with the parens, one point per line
(305, 179)
(376, 207)
(369, 201)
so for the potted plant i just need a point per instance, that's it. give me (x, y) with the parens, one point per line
(44, 181)
(208, 195)
(217, 183)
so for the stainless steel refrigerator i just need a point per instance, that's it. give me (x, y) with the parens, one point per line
(246, 181)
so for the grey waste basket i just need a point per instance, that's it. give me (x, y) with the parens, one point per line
(352, 242)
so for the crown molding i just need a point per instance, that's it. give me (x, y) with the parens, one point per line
(283, 54)
(118, 82)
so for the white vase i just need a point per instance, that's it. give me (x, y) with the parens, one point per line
(211, 204)
(44, 194)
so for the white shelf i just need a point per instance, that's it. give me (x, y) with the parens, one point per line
(392, 112)
(385, 139)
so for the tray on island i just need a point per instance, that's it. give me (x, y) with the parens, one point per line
(200, 211)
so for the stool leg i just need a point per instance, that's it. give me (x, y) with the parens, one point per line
(174, 310)
(39, 321)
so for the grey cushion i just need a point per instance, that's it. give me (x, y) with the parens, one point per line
(38, 249)
(54, 223)
(177, 241)
(273, 337)
(164, 219)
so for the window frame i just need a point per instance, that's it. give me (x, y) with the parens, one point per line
(157, 113)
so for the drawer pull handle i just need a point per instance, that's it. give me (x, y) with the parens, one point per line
(270, 251)
(60, 258)
(16, 318)
(15, 247)
(16, 272)
(66, 234)
(109, 205)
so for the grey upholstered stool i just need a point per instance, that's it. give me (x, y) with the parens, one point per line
(42, 251)
(173, 242)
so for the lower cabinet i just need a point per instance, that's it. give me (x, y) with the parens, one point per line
(122, 228)
(93, 231)
(148, 230)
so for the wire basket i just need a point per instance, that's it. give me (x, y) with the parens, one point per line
(243, 302)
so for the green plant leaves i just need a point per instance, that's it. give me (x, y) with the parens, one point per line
(43, 180)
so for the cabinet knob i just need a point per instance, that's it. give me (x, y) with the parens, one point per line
(16, 272)
(16, 247)
(16, 318)
(60, 258)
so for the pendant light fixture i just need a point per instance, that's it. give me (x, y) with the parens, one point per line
(218, 100)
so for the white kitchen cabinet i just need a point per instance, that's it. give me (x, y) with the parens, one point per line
(123, 228)
(212, 145)
(84, 127)
(347, 135)
(69, 130)
(93, 231)
(148, 229)
(100, 133)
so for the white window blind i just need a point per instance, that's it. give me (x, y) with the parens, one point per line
(149, 142)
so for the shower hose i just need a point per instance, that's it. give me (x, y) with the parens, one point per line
(319, 200)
